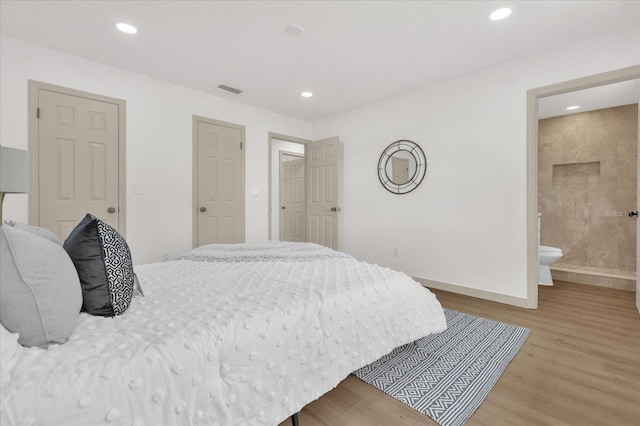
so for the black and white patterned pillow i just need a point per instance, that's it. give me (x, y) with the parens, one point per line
(105, 268)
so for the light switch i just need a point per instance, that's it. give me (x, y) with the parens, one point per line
(136, 188)
(254, 192)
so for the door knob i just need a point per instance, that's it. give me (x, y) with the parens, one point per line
(203, 209)
(111, 210)
(283, 207)
(633, 213)
(335, 209)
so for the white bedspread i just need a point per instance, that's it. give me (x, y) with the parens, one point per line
(216, 341)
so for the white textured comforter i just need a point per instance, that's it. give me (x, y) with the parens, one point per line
(225, 335)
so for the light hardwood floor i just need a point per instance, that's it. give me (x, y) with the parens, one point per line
(580, 366)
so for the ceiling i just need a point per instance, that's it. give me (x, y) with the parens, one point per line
(351, 53)
(607, 96)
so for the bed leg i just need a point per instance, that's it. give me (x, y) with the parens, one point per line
(294, 420)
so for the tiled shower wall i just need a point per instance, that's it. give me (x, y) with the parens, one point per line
(587, 177)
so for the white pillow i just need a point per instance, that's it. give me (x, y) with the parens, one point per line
(40, 295)
(41, 232)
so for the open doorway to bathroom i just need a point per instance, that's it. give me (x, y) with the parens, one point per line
(587, 183)
(586, 179)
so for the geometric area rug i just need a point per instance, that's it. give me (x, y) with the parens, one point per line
(447, 375)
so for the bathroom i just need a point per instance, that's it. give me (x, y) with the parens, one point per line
(587, 184)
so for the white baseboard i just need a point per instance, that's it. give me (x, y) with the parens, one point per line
(473, 292)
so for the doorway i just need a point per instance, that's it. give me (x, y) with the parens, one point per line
(322, 186)
(279, 145)
(77, 157)
(292, 195)
(533, 99)
(587, 176)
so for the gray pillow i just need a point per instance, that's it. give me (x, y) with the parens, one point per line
(40, 295)
(41, 232)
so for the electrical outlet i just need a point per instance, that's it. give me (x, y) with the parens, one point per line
(396, 252)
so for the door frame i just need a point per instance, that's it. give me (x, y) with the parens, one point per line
(281, 153)
(34, 144)
(285, 138)
(194, 185)
(533, 96)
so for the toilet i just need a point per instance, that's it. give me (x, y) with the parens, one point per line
(548, 256)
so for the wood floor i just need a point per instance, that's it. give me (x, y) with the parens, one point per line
(580, 366)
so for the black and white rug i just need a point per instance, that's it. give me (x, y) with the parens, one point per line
(447, 375)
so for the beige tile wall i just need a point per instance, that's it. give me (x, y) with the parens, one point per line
(587, 177)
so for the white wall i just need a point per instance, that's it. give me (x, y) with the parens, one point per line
(159, 142)
(278, 145)
(466, 224)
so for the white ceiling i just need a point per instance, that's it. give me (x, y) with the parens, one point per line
(352, 53)
(607, 96)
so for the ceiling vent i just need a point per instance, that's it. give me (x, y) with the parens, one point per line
(230, 89)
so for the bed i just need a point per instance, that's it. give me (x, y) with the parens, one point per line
(243, 334)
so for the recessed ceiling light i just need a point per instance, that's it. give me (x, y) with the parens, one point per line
(499, 14)
(295, 29)
(126, 28)
(570, 108)
(306, 94)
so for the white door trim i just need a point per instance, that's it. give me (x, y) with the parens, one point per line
(286, 138)
(533, 96)
(638, 223)
(194, 217)
(34, 141)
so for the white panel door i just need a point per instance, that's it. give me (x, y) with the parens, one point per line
(323, 165)
(293, 205)
(78, 161)
(220, 184)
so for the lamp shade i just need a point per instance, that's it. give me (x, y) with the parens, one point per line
(14, 170)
